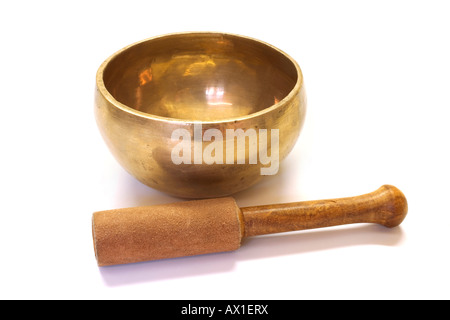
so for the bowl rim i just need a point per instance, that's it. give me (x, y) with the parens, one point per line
(110, 98)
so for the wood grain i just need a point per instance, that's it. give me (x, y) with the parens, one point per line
(386, 206)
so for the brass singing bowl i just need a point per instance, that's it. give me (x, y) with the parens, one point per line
(147, 90)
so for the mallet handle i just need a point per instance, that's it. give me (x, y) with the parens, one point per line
(386, 206)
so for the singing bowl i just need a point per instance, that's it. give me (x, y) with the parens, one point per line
(148, 90)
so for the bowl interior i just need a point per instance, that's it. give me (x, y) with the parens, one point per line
(200, 76)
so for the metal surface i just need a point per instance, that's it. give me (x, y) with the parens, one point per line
(221, 81)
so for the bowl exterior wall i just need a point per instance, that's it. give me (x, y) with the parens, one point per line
(143, 146)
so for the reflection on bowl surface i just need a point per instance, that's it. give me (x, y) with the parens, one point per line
(200, 77)
(195, 82)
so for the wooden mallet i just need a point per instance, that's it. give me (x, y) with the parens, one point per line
(215, 225)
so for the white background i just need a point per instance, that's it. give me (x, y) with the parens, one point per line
(377, 76)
